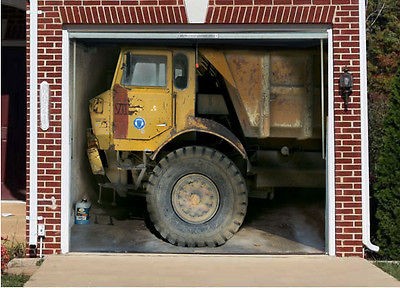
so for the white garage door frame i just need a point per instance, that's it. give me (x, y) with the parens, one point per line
(273, 33)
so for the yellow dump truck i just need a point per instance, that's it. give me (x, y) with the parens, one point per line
(202, 129)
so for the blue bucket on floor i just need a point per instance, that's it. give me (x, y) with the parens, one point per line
(82, 210)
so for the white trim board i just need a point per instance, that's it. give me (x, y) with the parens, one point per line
(65, 146)
(330, 207)
(281, 35)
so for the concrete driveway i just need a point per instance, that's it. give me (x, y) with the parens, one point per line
(207, 270)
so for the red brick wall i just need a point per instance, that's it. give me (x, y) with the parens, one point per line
(145, 12)
(269, 12)
(342, 14)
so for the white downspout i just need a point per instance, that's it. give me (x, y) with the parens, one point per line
(33, 119)
(364, 131)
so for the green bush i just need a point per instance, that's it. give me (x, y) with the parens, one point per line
(387, 186)
(10, 249)
(383, 52)
(15, 249)
(5, 258)
(383, 31)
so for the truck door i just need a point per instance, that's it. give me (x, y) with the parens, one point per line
(143, 99)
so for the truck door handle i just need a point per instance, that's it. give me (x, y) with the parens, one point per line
(162, 125)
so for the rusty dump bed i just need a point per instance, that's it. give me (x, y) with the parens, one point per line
(275, 93)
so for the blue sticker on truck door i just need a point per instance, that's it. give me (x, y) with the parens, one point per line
(139, 123)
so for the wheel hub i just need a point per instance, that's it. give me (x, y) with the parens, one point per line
(195, 198)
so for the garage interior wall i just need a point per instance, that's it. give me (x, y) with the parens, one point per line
(91, 74)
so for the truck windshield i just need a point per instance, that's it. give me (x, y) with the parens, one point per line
(145, 70)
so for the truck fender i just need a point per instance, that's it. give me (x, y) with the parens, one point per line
(196, 124)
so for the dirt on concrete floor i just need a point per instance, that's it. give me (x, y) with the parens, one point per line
(292, 223)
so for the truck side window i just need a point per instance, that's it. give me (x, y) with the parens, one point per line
(180, 71)
(146, 70)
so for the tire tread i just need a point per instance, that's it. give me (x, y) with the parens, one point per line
(219, 237)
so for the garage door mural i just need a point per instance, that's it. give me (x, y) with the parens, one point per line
(342, 16)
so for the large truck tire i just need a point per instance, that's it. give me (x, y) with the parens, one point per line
(196, 197)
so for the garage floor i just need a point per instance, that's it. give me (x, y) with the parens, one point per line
(292, 223)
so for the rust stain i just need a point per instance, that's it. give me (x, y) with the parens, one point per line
(207, 126)
(134, 109)
(96, 105)
(121, 112)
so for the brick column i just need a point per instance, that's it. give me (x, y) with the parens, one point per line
(347, 133)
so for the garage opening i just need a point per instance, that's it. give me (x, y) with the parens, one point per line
(285, 170)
